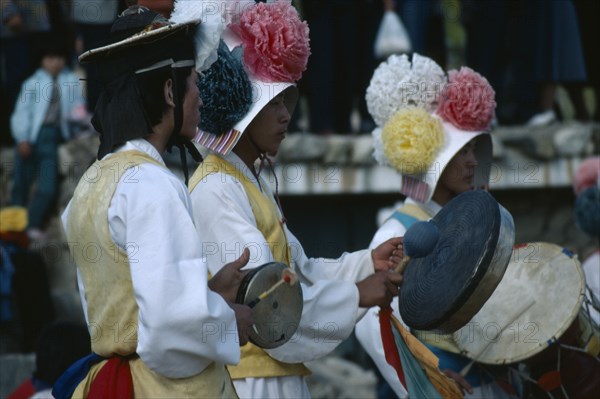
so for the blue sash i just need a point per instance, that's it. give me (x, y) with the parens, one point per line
(70, 379)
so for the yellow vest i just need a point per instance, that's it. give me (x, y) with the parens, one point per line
(442, 341)
(111, 306)
(255, 362)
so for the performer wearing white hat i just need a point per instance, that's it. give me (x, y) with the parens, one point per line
(245, 119)
(158, 327)
(434, 131)
(586, 185)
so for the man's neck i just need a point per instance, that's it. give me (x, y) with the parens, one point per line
(161, 133)
(159, 139)
(247, 152)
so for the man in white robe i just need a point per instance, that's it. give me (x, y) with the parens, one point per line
(143, 282)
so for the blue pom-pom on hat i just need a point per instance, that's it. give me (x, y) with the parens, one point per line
(226, 93)
(587, 211)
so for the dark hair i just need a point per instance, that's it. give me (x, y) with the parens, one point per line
(150, 87)
(59, 345)
(52, 47)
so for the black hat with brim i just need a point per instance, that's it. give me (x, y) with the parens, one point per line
(141, 41)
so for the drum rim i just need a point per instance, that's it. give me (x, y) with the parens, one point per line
(490, 278)
(253, 336)
(243, 288)
(534, 350)
(464, 305)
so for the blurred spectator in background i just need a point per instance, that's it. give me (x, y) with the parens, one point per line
(547, 45)
(48, 99)
(61, 23)
(342, 61)
(59, 345)
(549, 52)
(424, 21)
(24, 25)
(367, 26)
(587, 13)
(485, 25)
(332, 66)
(24, 33)
(92, 19)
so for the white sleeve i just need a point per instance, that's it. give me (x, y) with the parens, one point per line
(183, 325)
(226, 225)
(351, 266)
(328, 317)
(21, 120)
(390, 229)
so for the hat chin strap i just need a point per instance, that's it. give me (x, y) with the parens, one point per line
(263, 157)
(261, 154)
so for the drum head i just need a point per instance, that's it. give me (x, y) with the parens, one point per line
(276, 317)
(444, 289)
(537, 300)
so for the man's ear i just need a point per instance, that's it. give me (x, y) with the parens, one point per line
(168, 93)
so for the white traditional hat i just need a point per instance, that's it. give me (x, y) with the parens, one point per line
(424, 119)
(586, 185)
(275, 50)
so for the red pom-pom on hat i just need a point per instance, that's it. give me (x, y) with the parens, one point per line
(275, 41)
(467, 101)
(587, 174)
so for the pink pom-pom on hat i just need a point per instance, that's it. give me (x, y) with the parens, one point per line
(275, 46)
(587, 174)
(467, 101)
(275, 41)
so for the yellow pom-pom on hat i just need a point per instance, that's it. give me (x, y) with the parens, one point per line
(412, 139)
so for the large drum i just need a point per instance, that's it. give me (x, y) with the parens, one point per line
(538, 299)
(443, 290)
(277, 316)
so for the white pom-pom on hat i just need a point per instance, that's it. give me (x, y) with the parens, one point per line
(398, 83)
(214, 15)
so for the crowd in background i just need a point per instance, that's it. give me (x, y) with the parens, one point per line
(526, 49)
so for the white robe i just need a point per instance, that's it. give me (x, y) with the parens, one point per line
(226, 225)
(150, 218)
(368, 332)
(591, 269)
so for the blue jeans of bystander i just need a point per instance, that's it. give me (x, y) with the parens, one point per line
(43, 163)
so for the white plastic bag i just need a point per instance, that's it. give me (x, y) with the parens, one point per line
(392, 37)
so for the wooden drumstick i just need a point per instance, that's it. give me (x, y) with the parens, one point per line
(467, 368)
(419, 240)
(400, 268)
(287, 277)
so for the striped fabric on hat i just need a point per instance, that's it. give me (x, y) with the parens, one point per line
(414, 188)
(221, 143)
